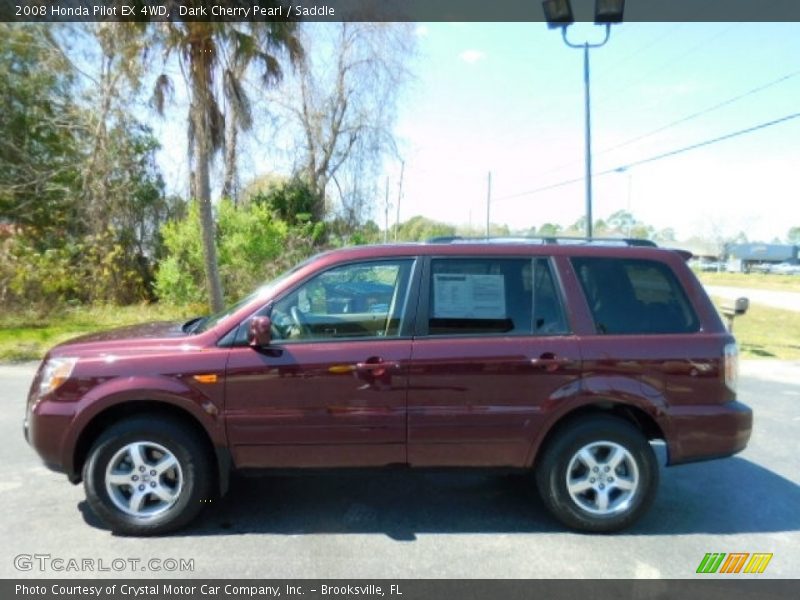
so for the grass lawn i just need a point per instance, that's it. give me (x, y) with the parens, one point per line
(766, 332)
(761, 281)
(27, 336)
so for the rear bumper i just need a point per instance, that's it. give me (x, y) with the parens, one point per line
(707, 432)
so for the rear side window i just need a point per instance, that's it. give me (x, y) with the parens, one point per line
(512, 296)
(632, 296)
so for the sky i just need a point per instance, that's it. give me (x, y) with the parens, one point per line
(509, 98)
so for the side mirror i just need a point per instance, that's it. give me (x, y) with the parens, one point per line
(259, 332)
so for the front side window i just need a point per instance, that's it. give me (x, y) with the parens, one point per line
(351, 301)
(512, 296)
(634, 296)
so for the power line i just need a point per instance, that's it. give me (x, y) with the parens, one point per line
(720, 138)
(661, 156)
(604, 99)
(700, 113)
(618, 64)
(547, 110)
(690, 117)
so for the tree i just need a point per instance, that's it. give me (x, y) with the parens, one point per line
(665, 235)
(621, 221)
(78, 179)
(238, 106)
(739, 238)
(40, 148)
(548, 230)
(793, 235)
(289, 198)
(347, 96)
(198, 47)
(123, 191)
(419, 228)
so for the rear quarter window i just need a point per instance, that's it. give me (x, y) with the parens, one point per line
(634, 296)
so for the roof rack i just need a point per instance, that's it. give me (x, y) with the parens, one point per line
(561, 240)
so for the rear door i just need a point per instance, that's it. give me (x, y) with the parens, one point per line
(493, 348)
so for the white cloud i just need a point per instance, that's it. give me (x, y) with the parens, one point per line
(472, 56)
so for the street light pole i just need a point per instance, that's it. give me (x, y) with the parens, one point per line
(588, 106)
(588, 140)
(558, 13)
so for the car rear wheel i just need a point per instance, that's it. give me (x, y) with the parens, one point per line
(147, 476)
(598, 474)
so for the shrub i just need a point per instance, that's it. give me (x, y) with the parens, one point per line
(253, 245)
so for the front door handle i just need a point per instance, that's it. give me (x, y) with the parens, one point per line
(377, 367)
(549, 361)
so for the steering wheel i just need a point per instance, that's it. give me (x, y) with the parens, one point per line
(300, 320)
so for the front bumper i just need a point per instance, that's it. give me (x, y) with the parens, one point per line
(45, 427)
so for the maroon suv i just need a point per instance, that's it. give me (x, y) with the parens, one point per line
(566, 358)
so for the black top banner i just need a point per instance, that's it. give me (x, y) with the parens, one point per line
(385, 10)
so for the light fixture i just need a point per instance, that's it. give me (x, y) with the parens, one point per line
(608, 11)
(558, 13)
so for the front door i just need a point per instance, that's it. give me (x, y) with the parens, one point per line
(331, 389)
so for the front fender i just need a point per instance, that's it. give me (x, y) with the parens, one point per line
(204, 407)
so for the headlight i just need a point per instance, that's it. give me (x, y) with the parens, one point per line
(55, 372)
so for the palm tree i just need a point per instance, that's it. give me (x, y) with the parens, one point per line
(198, 47)
(238, 56)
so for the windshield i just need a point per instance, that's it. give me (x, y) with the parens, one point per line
(206, 323)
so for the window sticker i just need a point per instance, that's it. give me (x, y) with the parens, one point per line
(469, 296)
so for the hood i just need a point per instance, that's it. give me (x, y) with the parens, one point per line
(157, 330)
(132, 338)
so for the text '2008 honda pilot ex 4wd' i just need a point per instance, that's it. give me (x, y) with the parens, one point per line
(561, 357)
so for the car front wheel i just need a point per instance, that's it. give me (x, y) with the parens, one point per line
(598, 474)
(147, 476)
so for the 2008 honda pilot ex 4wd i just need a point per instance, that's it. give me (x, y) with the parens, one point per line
(563, 358)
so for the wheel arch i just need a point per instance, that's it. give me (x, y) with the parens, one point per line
(124, 410)
(634, 415)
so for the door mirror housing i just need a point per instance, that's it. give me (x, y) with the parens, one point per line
(259, 332)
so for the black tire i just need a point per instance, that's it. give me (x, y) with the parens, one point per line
(189, 483)
(602, 437)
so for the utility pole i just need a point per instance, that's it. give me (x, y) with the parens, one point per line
(386, 214)
(399, 196)
(488, 201)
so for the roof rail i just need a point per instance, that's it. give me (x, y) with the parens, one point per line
(558, 239)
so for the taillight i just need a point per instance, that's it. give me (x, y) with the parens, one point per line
(731, 358)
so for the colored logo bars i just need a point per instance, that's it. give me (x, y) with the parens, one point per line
(716, 562)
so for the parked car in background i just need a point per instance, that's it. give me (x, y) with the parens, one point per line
(711, 266)
(786, 268)
(560, 357)
(760, 267)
